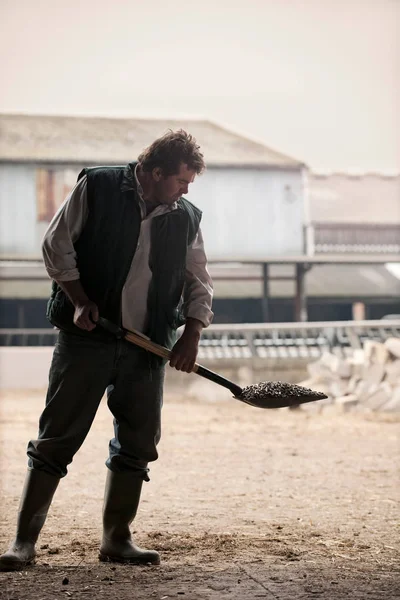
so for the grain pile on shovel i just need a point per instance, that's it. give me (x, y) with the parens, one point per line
(267, 394)
(276, 394)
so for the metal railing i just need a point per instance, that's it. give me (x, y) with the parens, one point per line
(356, 238)
(28, 337)
(292, 340)
(260, 340)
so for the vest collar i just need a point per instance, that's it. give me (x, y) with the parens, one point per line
(128, 183)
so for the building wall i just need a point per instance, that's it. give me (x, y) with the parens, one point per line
(18, 224)
(29, 197)
(248, 213)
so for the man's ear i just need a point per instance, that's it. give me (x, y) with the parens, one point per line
(157, 173)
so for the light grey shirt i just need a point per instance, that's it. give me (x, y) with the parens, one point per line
(60, 260)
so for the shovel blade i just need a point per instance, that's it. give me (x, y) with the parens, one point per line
(278, 402)
(277, 394)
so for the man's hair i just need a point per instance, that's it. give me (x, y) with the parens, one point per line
(169, 151)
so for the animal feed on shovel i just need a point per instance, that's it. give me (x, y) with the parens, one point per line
(277, 393)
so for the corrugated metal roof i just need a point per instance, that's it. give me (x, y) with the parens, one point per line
(349, 198)
(104, 141)
(346, 281)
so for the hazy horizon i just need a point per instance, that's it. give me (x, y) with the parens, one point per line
(318, 80)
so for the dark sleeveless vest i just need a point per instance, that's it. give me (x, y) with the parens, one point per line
(106, 247)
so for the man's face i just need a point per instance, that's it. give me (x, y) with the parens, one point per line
(169, 189)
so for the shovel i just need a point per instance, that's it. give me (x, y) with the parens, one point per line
(268, 394)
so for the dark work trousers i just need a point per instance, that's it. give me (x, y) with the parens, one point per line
(81, 370)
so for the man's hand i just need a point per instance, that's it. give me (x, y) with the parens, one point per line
(184, 353)
(86, 311)
(86, 315)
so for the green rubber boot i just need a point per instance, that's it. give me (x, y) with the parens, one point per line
(35, 501)
(121, 501)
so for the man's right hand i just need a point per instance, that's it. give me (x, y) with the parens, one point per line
(86, 312)
(86, 315)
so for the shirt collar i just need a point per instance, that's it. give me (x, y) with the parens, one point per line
(131, 182)
(138, 184)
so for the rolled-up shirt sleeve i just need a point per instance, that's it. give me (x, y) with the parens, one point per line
(65, 228)
(198, 292)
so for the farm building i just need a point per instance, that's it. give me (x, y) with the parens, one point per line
(252, 197)
(263, 214)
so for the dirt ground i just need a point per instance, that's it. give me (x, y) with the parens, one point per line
(242, 503)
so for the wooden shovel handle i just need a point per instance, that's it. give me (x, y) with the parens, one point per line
(150, 346)
(147, 344)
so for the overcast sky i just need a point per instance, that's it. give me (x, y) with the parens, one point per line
(315, 79)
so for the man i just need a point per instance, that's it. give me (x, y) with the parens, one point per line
(127, 246)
